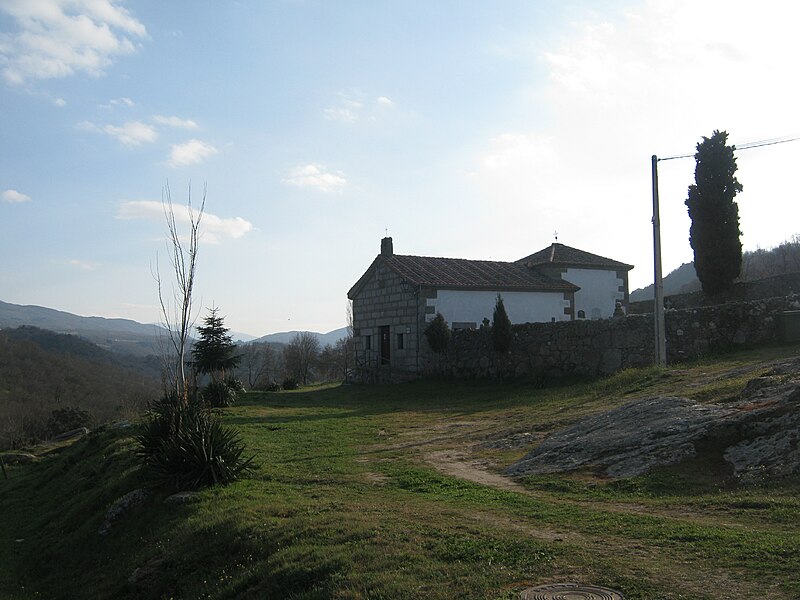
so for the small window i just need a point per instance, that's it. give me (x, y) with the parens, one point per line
(581, 314)
(367, 342)
(400, 341)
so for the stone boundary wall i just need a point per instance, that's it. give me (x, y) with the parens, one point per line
(602, 347)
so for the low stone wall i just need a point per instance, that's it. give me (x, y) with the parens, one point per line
(553, 350)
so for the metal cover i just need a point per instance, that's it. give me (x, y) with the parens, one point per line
(570, 591)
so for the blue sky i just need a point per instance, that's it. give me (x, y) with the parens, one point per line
(469, 129)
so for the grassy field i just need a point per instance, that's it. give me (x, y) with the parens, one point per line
(397, 492)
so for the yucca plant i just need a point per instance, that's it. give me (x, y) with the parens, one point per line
(219, 394)
(186, 447)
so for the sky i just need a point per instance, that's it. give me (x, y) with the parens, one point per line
(461, 128)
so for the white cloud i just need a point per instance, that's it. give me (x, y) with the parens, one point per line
(347, 111)
(315, 176)
(353, 107)
(213, 229)
(190, 153)
(60, 102)
(14, 197)
(132, 133)
(175, 122)
(75, 263)
(624, 86)
(59, 38)
(126, 102)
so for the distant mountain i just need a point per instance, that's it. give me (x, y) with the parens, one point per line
(116, 335)
(680, 281)
(123, 335)
(286, 336)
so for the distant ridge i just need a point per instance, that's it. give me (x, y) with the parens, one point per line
(285, 337)
(117, 335)
(123, 335)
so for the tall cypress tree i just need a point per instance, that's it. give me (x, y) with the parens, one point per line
(714, 234)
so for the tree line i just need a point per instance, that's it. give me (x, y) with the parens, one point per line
(267, 366)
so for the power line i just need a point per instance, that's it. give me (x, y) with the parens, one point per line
(745, 146)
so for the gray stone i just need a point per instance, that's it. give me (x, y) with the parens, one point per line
(121, 507)
(18, 458)
(182, 498)
(761, 430)
(68, 435)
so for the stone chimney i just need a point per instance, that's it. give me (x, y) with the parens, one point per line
(387, 249)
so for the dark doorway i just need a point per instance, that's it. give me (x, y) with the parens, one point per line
(385, 345)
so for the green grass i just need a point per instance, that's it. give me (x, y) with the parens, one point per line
(347, 503)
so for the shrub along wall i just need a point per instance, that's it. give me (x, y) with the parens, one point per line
(552, 350)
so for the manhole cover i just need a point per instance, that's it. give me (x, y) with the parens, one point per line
(570, 591)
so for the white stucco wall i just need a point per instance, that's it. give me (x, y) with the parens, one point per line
(599, 291)
(459, 306)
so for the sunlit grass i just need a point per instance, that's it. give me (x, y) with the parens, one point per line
(344, 504)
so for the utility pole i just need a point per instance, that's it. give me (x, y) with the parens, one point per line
(658, 300)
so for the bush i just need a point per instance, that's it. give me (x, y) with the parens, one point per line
(272, 386)
(290, 383)
(235, 384)
(218, 394)
(66, 419)
(186, 447)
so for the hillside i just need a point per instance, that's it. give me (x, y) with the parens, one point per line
(117, 335)
(398, 492)
(756, 265)
(680, 281)
(41, 371)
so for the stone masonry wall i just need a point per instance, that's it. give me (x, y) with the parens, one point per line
(383, 301)
(552, 350)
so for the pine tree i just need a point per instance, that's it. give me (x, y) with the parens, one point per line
(213, 352)
(714, 234)
(501, 327)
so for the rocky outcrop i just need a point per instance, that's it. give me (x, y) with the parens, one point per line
(759, 431)
(121, 507)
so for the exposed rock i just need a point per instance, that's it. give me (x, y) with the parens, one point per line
(144, 578)
(121, 506)
(182, 498)
(73, 433)
(760, 431)
(18, 458)
(627, 441)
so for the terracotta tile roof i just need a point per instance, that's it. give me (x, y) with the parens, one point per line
(566, 256)
(459, 273)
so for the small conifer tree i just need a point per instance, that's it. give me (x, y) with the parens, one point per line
(438, 334)
(501, 327)
(214, 351)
